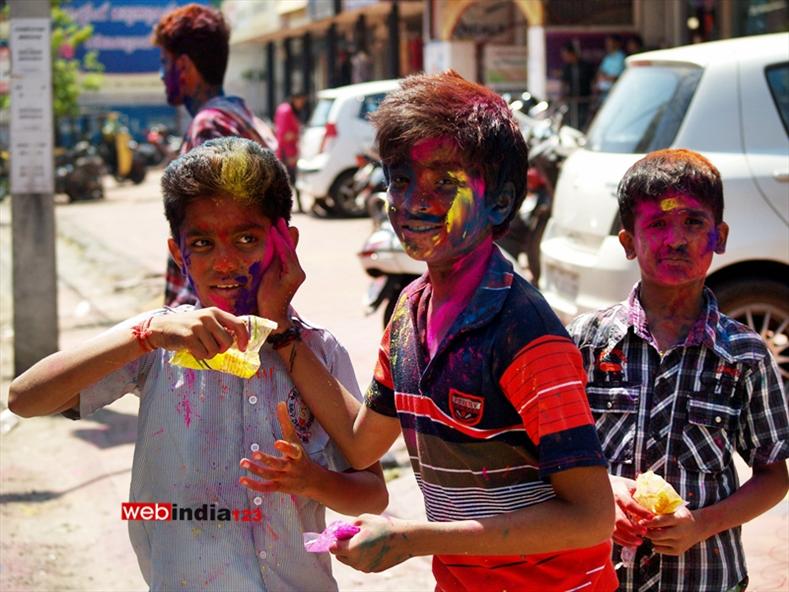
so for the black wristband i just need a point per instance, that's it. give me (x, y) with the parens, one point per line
(280, 340)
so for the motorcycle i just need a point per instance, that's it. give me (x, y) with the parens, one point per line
(78, 172)
(160, 146)
(550, 142)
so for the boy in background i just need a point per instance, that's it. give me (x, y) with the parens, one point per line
(676, 387)
(228, 202)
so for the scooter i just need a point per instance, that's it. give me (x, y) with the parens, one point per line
(120, 153)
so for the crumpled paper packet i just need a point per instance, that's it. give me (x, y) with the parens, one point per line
(656, 495)
(233, 361)
(339, 530)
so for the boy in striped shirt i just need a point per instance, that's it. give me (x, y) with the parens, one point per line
(474, 369)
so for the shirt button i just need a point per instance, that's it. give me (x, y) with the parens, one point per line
(252, 400)
(718, 419)
(254, 447)
(257, 501)
(262, 554)
(609, 404)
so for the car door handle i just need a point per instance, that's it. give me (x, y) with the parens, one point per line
(781, 176)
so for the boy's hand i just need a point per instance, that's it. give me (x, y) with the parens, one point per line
(381, 543)
(293, 472)
(281, 278)
(204, 332)
(673, 534)
(630, 516)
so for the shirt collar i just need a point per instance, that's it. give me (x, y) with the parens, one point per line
(706, 331)
(486, 301)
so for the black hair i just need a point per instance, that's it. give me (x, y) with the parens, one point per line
(664, 172)
(226, 167)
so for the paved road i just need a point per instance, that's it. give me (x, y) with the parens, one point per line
(62, 482)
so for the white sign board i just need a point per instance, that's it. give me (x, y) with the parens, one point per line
(505, 67)
(31, 107)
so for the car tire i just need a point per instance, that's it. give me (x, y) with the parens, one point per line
(763, 305)
(343, 197)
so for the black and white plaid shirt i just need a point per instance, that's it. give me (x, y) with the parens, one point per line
(682, 414)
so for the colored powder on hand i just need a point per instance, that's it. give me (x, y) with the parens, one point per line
(339, 530)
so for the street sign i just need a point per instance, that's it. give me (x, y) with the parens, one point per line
(31, 107)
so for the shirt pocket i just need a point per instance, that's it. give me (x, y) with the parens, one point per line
(708, 435)
(615, 410)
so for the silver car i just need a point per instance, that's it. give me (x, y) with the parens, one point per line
(728, 100)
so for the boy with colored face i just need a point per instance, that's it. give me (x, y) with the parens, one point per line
(474, 369)
(194, 45)
(676, 386)
(228, 203)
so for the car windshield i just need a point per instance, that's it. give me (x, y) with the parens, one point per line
(644, 110)
(320, 115)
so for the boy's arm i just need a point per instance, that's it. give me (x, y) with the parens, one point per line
(673, 534)
(54, 383)
(362, 435)
(579, 516)
(351, 492)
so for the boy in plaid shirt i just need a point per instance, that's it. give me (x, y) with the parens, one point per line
(675, 387)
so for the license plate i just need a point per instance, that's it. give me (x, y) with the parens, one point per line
(374, 290)
(565, 283)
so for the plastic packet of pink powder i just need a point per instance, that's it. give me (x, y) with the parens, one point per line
(339, 530)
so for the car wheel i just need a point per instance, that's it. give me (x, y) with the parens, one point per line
(343, 194)
(762, 305)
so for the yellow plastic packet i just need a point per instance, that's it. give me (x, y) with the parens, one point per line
(656, 495)
(234, 361)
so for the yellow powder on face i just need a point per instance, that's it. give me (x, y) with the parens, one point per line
(668, 204)
(461, 207)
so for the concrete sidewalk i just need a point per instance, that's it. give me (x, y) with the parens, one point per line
(63, 481)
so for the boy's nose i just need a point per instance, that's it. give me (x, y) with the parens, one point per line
(676, 237)
(224, 264)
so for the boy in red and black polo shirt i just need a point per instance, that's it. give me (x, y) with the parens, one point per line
(474, 369)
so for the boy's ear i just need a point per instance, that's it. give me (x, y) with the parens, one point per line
(723, 235)
(502, 203)
(628, 243)
(175, 251)
(294, 235)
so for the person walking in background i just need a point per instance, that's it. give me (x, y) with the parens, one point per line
(611, 67)
(194, 44)
(287, 125)
(577, 76)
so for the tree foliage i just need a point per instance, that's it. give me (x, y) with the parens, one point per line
(70, 75)
(67, 82)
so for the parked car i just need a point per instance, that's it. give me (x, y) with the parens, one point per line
(728, 100)
(337, 131)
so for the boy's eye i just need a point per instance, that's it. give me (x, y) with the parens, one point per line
(656, 224)
(694, 221)
(200, 243)
(247, 239)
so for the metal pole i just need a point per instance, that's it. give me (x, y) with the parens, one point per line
(394, 40)
(271, 91)
(32, 206)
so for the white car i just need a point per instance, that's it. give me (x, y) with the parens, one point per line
(337, 132)
(728, 100)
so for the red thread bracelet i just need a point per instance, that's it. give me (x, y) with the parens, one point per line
(142, 333)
